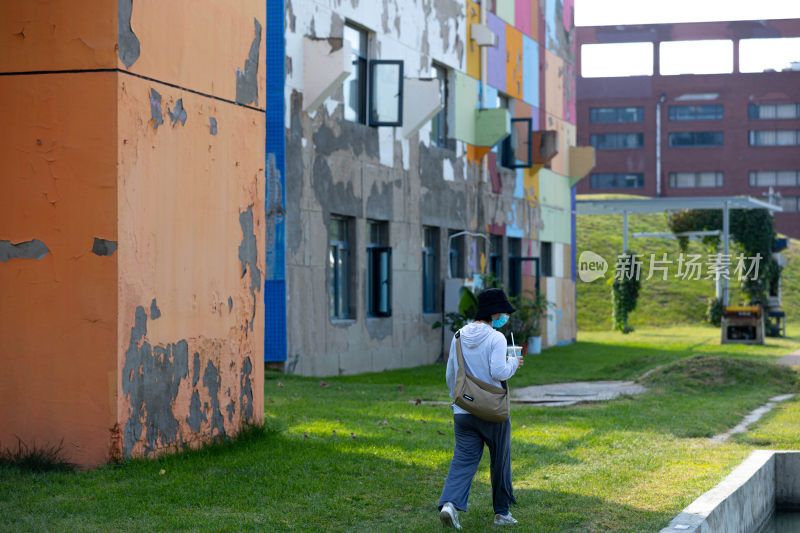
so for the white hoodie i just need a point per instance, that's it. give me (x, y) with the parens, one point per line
(484, 351)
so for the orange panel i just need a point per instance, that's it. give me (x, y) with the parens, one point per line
(475, 154)
(183, 195)
(513, 62)
(58, 320)
(199, 44)
(57, 35)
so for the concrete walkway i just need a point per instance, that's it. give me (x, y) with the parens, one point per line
(793, 359)
(561, 394)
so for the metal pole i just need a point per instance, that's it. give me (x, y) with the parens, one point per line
(725, 250)
(658, 143)
(624, 232)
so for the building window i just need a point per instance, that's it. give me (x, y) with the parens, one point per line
(379, 269)
(517, 147)
(774, 137)
(439, 122)
(456, 254)
(514, 266)
(767, 178)
(773, 111)
(386, 92)
(496, 256)
(611, 141)
(355, 86)
(680, 180)
(790, 204)
(617, 181)
(430, 269)
(547, 258)
(695, 112)
(616, 114)
(695, 138)
(339, 262)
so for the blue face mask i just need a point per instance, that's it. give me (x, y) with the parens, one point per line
(500, 322)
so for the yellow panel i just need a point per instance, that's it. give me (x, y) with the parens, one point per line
(531, 182)
(513, 62)
(473, 51)
(554, 84)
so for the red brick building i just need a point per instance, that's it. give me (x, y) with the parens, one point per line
(720, 134)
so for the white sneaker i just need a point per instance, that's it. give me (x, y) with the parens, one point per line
(504, 520)
(449, 516)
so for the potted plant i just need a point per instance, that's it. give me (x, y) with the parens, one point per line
(525, 323)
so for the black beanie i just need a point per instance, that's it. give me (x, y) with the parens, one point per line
(492, 301)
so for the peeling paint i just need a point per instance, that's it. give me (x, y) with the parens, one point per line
(196, 414)
(150, 379)
(177, 113)
(246, 390)
(156, 113)
(231, 409)
(212, 125)
(104, 247)
(128, 42)
(34, 249)
(195, 369)
(230, 304)
(248, 255)
(155, 312)
(247, 80)
(212, 381)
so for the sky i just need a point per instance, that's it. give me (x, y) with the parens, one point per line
(688, 56)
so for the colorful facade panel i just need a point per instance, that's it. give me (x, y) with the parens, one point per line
(514, 61)
(530, 71)
(496, 55)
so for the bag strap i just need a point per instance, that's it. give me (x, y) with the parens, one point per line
(461, 368)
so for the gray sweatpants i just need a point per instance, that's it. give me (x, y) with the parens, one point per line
(471, 434)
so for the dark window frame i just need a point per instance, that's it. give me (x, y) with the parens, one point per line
(371, 92)
(430, 269)
(595, 140)
(340, 283)
(439, 132)
(618, 178)
(455, 254)
(684, 113)
(360, 62)
(508, 153)
(695, 136)
(595, 115)
(546, 255)
(378, 288)
(496, 256)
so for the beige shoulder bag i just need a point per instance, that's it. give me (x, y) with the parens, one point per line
(482, 399)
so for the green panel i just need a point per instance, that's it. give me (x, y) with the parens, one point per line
(555, 200)
(491, 126)
(505, 10)
(465, 102)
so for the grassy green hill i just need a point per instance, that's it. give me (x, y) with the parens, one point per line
(674, 301)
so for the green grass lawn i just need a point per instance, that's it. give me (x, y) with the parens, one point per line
(625, 465)
(661, 302)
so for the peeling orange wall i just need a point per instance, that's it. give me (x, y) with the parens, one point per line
(86, 340)
(58, 314)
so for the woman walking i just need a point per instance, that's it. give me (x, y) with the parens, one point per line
(484, 353)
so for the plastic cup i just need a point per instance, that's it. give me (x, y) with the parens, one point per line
(514, 351)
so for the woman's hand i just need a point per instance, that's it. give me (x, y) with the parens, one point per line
(521, 360)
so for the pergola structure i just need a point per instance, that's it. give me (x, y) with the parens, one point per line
(641, 206)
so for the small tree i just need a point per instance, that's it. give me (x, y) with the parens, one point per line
(625, 291)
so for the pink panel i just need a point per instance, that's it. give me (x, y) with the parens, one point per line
(570, 94)
(522, 16)
(568, 13)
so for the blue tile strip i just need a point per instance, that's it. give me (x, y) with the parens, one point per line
(275, 139)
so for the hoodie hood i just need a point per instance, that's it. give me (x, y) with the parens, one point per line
(475, 334)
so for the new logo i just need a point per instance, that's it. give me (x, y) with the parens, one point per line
(591, 266)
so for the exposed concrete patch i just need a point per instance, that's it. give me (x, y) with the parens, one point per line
(34, 249)
(561, 394)
(128, 42)
(178, 113)
(379, 328)
(212, 382)
(339, 197)
(156, 113)
(751, 418)
(155, 312)
(248, 255)
(247, 80)
(195, 369)
(196, 414)
(231, 409)
(246, 390)
(353, 136)
(212, 125)
(274, 216)
(294, 175)
(150, 380)
(103, 247)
